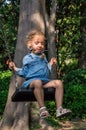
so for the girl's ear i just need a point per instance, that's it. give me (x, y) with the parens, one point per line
(29, 44)
(30, 48)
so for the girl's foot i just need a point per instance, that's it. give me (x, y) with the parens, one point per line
(62, 112)
(43, 112)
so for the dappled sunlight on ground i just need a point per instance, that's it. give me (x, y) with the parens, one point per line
(73, 125)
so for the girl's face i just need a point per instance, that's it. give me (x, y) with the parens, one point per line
(37, 44)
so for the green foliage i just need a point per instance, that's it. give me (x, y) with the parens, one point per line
(75, 94)
(51, 106)
(9, 15)
(53, 122)
(4, 84)
(34, 125)
(68, 24)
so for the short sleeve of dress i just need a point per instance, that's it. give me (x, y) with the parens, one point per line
(26, 60)
(23, 71)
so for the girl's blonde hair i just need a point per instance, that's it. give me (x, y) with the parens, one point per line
(31, 35)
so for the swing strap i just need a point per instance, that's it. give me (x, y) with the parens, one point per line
(9, 56)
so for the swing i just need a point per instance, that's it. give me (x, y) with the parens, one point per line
(22, 94)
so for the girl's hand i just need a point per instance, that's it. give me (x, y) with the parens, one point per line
(12, 66)
(53, 61)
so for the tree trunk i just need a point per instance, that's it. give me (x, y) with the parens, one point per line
(50, 32)
(82, 55)
(16, 115)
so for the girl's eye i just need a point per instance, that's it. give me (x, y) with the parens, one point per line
(42, 43)
(36, 43)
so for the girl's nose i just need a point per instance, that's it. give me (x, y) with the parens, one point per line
(40, 44)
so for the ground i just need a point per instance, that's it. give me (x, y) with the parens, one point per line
(73, 125)
(42, 124)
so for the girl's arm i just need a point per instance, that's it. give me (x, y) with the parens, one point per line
(20, 71)
(52, 62)
(25, 66)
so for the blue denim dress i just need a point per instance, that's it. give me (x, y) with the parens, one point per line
(34, 67)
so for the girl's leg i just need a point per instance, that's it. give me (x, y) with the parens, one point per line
(58, 85)
(38, 91)
(39, 95)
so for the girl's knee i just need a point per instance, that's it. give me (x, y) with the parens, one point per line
(37, 83)
(59, 83)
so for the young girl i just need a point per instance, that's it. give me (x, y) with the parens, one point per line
(36, 71)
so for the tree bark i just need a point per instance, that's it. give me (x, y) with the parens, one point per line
(50, 32)
(32, 16)
(82, 55)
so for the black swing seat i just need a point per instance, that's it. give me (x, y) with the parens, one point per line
(21, 95)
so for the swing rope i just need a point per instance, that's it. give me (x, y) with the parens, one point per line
(10, 59)
(9, 56)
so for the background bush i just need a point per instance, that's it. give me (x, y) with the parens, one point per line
(75, 94)
(4, 85)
